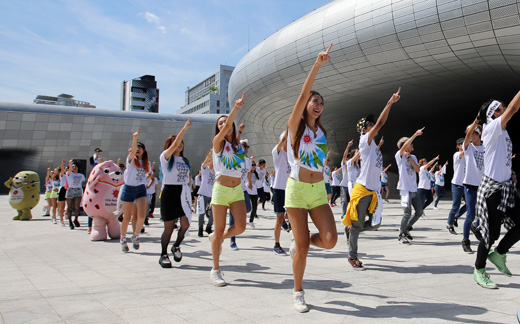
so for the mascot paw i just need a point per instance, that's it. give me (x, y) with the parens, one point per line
(17, 217)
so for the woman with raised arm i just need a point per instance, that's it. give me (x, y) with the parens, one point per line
(497, 199)
(176, 175)
(74, 193)
(305, 193)
(440, 192)
(228, 161)
(424, 188)
(134, 189)
(474, 156)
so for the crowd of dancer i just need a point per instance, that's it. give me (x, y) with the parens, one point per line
(304, 184)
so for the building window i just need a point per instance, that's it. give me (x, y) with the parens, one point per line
(218, 111)
(218, 103)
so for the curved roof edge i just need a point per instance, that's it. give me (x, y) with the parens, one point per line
(64, 110)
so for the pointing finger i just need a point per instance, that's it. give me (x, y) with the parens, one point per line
(243, 95)
(328, 49)
(398, 91)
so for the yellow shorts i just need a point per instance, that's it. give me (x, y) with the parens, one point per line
(54, 194)
(305, 195)
(47, 194)
(225, 196)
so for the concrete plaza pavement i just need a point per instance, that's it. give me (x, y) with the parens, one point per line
(50, 274)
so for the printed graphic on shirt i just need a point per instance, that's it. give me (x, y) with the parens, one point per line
(336, 175)
(379, 158)
(409, 167)
(140, 174)
(288, 168)
(183, 172)
(230, 159)
(313, 154)
(479, 159)
(211, 178)
(76, 181)
(509, 144)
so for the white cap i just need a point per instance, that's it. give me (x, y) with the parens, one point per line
(244, 141)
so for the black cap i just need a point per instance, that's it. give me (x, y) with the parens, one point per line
(98, 150)
(460, 141)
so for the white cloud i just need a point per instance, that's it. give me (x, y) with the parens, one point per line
(151, 18)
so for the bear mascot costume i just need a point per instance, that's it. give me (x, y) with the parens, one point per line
(100, 200)
(24, 193)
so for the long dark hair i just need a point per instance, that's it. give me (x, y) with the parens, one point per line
(167, 144)
(144, 158)
(301, 126)
(234, 142)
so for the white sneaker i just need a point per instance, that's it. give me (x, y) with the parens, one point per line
(54, 221)
(217, 276)
(292, 249)
(435, 208)
(210, 237)
(299, 302)
(252, 225)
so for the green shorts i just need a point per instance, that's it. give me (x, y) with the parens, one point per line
(47, 194)
(54, 194)
(305, 195)
(225, 196)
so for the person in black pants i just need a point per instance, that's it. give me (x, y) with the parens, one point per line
(497, 199)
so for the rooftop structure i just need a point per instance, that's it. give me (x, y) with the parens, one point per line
(62, 100)
(140, 94)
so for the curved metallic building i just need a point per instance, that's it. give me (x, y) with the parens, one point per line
(449, 56)
(34, 137)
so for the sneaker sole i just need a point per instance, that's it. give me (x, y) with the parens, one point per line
(499, 270)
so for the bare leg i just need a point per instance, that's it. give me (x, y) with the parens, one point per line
(300, 229)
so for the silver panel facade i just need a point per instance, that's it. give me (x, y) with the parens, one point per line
(448, 56)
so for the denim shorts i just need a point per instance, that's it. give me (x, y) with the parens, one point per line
(328, 189)
(131, 193)
(74, 192)
(279, 201)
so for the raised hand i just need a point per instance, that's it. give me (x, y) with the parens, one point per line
(350, 143)
(240, 102)
(381, 141)
(323, 56)
(419, 131)
(188, 123)
(436, 158)
(242, 126)
(136, 134)
(395, 97)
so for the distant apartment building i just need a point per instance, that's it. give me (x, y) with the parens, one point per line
(140, 94)
(62, 100)
(209, 96)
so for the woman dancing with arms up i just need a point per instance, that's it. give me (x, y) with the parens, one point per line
(228, 161)
(305, 192)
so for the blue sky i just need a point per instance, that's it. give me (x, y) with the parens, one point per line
(87, 48)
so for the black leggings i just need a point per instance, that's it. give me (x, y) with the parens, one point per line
(254, 206)
(73, 202)
(512, 236)
(336, 192)
(168, 231)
